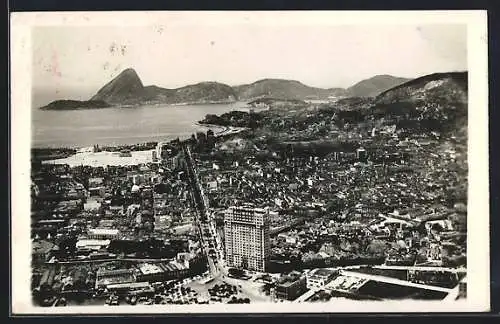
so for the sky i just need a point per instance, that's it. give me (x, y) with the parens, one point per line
(73, 62)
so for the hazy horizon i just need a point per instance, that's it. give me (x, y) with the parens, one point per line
(74, 62)
(42, 96)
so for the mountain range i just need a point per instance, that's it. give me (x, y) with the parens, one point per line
(127, 89)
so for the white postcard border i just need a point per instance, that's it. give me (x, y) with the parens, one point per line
(478, 194)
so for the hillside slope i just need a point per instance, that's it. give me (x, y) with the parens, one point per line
(128, 89)
(205, 92)
(441, 86)
(284, 89)
(125, 87)
(437, 101)
(373, 86)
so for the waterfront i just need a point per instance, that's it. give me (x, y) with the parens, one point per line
(119, 126)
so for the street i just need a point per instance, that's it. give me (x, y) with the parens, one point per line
(204, 221)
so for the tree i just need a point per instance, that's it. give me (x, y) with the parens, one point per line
(377, 247)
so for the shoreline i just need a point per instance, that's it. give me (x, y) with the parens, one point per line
(154, 104)
(108, 155)
(116, 147)
(130, 141)
(218, 130)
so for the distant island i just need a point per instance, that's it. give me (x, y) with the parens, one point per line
(127, 89)
(75, 105)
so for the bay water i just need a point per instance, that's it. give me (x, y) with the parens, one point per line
(121, 125)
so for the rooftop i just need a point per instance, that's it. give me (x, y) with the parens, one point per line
(103, 231)
(289, 279)
(129, 285)
(149, 268)
(86, 242)
(322, 272)
(103, 272)
(43, 246)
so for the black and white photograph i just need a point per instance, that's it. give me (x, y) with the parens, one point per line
(167, 162)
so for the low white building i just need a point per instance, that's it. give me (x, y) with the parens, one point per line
(92, 245)
(318, 278)
(103, 233)
(212, 185)
(445, 224)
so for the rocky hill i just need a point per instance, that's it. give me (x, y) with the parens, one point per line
(451, 86)
(205, 92)
(435, 102)
(373, 86)
(128, 89)
(284, 89)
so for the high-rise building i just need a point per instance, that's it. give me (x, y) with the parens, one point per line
(246, 236)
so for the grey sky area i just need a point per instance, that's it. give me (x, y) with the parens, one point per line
(74, 62)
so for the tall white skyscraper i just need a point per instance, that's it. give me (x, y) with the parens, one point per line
(246, 236)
